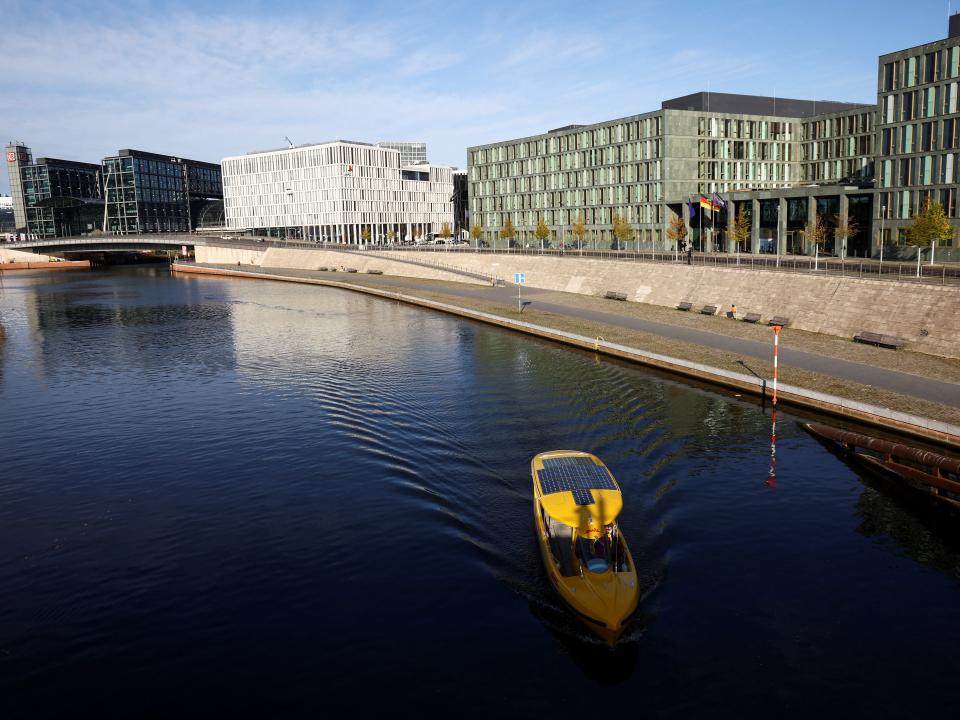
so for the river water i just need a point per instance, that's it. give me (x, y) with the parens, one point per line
(229, 498)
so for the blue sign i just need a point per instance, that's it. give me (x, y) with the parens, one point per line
(520, 278)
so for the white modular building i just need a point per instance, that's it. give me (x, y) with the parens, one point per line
(340, 191)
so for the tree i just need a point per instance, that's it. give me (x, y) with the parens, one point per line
(508, 232)
(622, 231)
(365, 234)
(391, 236)
(740, 232)
(677, 231)
(579, 230)
(542, 233)
(445, 232)
(817, 232)
(475, 232)
(844, 230)
(929, 225)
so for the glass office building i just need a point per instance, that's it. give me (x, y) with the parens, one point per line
(149, 193)
(62, 198)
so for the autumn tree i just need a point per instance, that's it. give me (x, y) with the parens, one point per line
(508, 232)
(843, 230)
(929, 225)
(365, 234)
(475, 232)
(622, 231)
(579, 230)
(740, 232)
(391, 236)
(542, 233)
(445, 232)
(677, 231)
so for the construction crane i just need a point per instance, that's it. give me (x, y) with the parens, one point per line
(289, 142)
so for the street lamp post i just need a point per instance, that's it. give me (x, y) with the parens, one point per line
(883, 212)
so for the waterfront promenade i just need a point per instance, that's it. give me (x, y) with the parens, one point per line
(898, 381)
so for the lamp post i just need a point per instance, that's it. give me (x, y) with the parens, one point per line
(883, 213)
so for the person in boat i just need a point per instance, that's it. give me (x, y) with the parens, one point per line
(595, 553)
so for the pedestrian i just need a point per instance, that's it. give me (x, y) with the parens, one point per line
(733, 311)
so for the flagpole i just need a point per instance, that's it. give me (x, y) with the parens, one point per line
(700, 217)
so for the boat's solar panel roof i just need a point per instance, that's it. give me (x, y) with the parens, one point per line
(578, 475)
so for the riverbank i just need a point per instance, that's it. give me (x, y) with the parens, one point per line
(870, 405)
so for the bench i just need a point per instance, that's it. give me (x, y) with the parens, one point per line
(887, 341)
(685, 306)
(781, 321)
(614, 295)
(751, 317)
(351, 269)
(709, 310)
(322, 269)
(374, 272)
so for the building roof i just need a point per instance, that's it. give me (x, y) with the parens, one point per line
(67, 163)
(127, 152)
(758, 105)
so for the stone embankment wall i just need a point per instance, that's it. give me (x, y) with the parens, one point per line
(927, 316)
(314, 259)
(19, 256)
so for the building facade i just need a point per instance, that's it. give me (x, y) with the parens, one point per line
(341, 191)
(148, 192)
(918, 132)
(643, 168)
(62, 198)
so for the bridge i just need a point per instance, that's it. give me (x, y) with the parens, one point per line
(109, 243)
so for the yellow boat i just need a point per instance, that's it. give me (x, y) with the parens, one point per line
(576, 502)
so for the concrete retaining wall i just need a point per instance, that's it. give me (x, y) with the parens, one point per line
(315, 259)
(927, 316)
(7, 255)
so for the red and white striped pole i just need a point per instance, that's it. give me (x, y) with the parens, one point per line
(776, 353)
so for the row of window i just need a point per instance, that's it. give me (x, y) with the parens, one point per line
(746, 150)
(859, 123)
(920, 137)
(761, 172)
(919, 69)
(617, 132)
(840, 148)
(915, 104)
(852, 169)
(619, 195)
(746, 129)
(644, 150)
(904, 204)
(564, 219)
(913, 171)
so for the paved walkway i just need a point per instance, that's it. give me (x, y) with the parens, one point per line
(944, 393)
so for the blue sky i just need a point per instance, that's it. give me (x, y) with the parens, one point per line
(211, 79)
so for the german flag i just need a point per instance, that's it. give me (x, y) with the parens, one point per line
(710, 203)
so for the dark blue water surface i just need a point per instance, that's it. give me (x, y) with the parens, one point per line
(228, 498)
